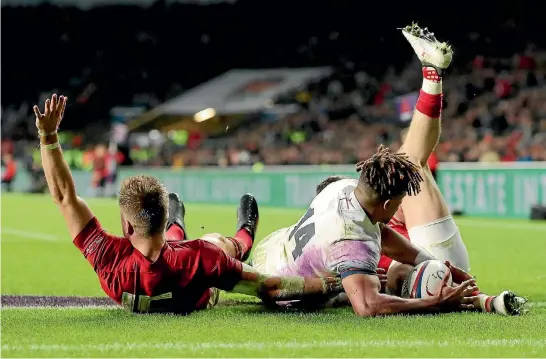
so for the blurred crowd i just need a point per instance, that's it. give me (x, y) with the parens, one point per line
(494, 103)
(494, 110)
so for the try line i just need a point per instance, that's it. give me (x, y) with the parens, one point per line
(109, 347)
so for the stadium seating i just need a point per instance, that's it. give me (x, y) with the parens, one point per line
(493, 105)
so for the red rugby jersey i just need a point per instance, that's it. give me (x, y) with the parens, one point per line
(179, 281)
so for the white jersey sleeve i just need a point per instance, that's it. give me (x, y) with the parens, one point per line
(334, 237)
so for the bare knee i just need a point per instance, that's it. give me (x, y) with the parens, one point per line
(396, 275)
(220, 241)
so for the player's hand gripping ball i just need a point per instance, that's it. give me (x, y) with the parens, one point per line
(426, 278)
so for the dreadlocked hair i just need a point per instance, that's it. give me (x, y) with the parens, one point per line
(390, 174)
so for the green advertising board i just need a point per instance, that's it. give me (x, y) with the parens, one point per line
(478, 189)
(292, 187)
(493, 190)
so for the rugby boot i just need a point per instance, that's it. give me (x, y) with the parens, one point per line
(248, 217)
(430, 51)
(508, 303)
(177, 212)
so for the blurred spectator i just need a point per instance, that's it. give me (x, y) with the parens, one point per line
(495, 92)
(11, 171)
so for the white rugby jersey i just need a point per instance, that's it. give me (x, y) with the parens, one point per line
(334, 237)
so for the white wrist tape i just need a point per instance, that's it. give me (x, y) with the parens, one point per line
(51, 146)
(45, 134)
(331, 285)
(291, 287)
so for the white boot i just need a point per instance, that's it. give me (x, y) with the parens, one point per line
(429, 50)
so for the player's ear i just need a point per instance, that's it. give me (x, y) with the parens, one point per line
(130, 229)
(386, 204)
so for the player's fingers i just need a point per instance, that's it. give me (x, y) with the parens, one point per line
(37, 112)
(471, 288)
(380, 271)
(47, 107)
(59, 105)
(58, 108)
(468, 291)
(465, 285)
(468, 282)
(65, 99)
(447, 275)
(53, 103)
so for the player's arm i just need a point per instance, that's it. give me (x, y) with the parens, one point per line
(285, 288)
(356, 261)
(366, 300)
(363, 293)
(395, 246)
(57, 173)
(226, 273)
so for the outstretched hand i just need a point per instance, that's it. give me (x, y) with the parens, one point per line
(459, 296)
(49, 120)
(457, 273)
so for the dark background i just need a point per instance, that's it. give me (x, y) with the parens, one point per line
(46, 47)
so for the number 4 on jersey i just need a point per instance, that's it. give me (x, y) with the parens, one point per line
(302, 235)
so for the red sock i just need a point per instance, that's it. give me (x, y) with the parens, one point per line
(244, 240)
(430, 105)
(175, 233)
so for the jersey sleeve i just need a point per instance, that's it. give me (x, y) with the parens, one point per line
(100, 249)
(219, 270)
(349, 256)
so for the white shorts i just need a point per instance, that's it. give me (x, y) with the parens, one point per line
(443, 240)
(268, 256)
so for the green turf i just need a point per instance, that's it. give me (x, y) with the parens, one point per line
(38, 258)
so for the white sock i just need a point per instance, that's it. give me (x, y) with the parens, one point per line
(486, 302)
(432, 82)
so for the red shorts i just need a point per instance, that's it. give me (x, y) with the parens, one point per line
(384, 261)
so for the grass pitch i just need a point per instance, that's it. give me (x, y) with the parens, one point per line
(38, 258)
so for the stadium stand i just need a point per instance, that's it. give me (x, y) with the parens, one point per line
(133, 59)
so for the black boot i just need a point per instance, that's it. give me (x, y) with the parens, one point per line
(248, 216)
(177, 212)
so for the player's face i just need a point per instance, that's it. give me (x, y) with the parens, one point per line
(390, 207)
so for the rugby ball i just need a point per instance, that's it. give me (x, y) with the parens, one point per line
(426, 278)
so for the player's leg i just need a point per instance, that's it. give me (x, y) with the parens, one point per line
(424, 130)
(176, 228)
(239, 246)
(428, 211)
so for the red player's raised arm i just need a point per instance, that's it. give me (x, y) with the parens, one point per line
(59, 179)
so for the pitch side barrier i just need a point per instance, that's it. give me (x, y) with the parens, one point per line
(506, 190)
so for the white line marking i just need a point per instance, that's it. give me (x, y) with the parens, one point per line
(86, 307)
(28, 234)
(72, 307)
(110, 347)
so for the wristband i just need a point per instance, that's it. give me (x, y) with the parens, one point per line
(45, 134)
(331, 285)
(51, 146)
